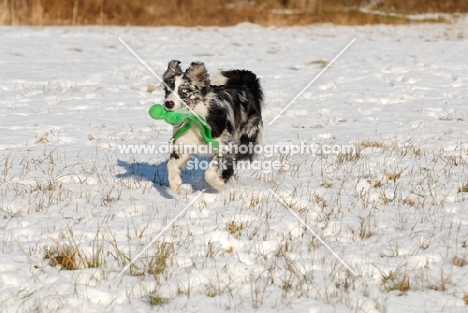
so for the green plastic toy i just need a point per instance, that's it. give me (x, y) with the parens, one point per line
(178, 117)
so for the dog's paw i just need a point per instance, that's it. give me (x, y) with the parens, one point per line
(214, 180)
(218, 186)
(186, 189)
(175, 182)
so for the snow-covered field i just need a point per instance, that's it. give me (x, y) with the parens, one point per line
(75, 210)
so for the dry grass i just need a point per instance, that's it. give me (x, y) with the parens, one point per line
(65, 256)
(463, 188)
(423, 6)
(211, 12)
(234, 228)
(392, 281)
(254, 220)
(67, 253)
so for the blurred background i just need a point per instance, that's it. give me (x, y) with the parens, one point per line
(220, 12)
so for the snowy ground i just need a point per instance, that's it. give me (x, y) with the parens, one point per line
(75, 210)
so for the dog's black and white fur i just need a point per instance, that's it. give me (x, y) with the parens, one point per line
(231, 106)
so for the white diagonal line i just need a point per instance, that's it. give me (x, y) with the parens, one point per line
(313, 233)
(161, 80)
(160, 233)
(313, 80)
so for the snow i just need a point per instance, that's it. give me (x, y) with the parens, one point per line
(396, 212)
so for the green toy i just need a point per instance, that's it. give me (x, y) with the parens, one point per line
(178, 117)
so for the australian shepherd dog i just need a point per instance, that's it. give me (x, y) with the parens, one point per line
(231, 105)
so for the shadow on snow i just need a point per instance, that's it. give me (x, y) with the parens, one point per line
(157, 174)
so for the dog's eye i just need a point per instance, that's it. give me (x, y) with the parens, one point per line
(184, 90)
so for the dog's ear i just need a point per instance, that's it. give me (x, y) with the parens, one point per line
(198, 74)
(173, 68)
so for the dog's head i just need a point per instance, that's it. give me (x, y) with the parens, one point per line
(186, 88)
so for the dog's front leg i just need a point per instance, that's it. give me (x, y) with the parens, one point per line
(174, 167)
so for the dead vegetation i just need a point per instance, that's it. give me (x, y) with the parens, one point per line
(214, 13)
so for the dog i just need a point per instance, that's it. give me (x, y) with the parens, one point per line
(231, 105)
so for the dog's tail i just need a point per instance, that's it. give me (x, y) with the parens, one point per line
(243, 78)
